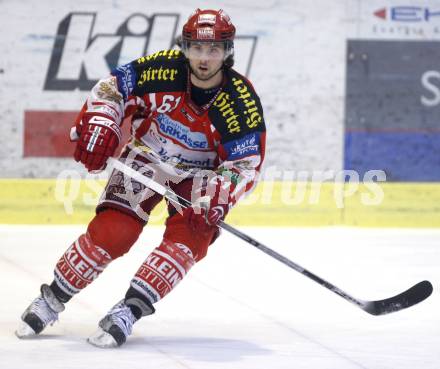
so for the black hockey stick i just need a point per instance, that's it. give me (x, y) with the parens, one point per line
(410, 297)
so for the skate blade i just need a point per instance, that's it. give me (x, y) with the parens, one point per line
(25, 331)
(102, 339)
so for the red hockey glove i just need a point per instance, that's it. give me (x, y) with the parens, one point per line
(99, 136)
(212, 205)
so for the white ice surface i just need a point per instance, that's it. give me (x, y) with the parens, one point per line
(238, 308)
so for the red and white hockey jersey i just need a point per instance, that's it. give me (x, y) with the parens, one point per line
(227, 134)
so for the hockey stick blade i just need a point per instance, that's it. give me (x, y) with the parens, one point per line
(408, 298)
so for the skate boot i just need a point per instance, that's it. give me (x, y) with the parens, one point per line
(41, 312)
(114, 328)
(117, 325)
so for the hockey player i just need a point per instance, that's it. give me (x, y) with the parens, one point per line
(190, 113)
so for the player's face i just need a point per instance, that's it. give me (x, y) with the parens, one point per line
(206, 58)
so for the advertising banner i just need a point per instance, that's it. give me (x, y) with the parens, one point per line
(393, 109)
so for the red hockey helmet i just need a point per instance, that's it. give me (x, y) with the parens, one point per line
(209, 26)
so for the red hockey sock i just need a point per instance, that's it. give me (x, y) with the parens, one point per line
(164, 268)
(109, 235)
(80, 265)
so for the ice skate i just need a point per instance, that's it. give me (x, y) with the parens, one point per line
(41, 312)
(114, 328)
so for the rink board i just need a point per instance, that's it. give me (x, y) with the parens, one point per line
(44, 201)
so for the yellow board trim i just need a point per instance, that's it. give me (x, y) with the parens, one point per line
(40, 201)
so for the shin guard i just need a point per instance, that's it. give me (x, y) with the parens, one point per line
(80, 265)
(164, 268)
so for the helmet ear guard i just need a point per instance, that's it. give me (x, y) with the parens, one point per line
(229, 61)
(178, 41)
